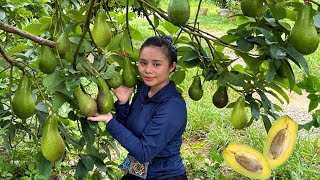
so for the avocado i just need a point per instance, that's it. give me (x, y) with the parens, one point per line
(87, 105)
(246, 161)
(280, 141)
(52, 144)
(178, 12)
(23, 104)
(195, 91)
(220, 97)
(128, 74)
(104, 98)
(304, 37)
(252, 8)
(115, 81)
(101, 32)
(63, 44)
(239, 117)
(47, 60)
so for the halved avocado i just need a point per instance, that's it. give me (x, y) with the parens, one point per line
(280, 141)
(246, 161)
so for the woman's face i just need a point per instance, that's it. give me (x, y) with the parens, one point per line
(154, 67)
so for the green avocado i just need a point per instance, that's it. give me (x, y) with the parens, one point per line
(304, 37)
(23, 104)
(239, 118)
(115, 81)
(178, 12)
(47, 60)
(129, 76)
(252, 8)
(52, 144)
(195, 90)
(220, 97)
(87, 105)
(104, 98)
(101, 32)
(63, 44)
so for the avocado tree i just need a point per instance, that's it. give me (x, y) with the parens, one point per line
(60, 51)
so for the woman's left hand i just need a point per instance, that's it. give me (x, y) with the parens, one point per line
(101, 117)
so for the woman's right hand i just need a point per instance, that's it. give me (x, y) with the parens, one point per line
(123, 93)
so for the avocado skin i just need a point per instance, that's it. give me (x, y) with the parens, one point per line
(52, 144)
(178, 12)
(304, 37)
(23, 104)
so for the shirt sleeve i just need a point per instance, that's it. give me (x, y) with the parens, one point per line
(122, 111)
(169, 119)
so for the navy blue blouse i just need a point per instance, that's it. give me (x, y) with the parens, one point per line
(151, 129)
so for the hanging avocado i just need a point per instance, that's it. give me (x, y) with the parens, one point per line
(304, 37)
(195, 90)
(129, 76)
(104, 98)
(63, 44)
(247, 161)
(115, 81)
(101, 32)
(220, 97)
(239, 117)
(87, 105)
(23, 104)
(179, 12)
(52, 144)
(252, 8)
(47, 60)
(280, 141)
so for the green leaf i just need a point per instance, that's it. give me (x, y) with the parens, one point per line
(255, 111)
(114, 44)
(34, 29)
(313, 104)
(232, 77)
(269, 38)
(264, 100)
(17, 48)
(81, 171)
(297, 58)
(58, 100)
(277, 53)
(244, 45)
(88, 133)
(2, 14)
(317, 21)
(266, 122)
(279, 90)
(277, 12)
(251, 62)
(271, 72)
(44, 166)
(172, 29)
(99, 163)
(178, 76)
(87, 161)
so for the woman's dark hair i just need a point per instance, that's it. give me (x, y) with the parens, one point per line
(164, 42)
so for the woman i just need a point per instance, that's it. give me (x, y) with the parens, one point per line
(151, 127)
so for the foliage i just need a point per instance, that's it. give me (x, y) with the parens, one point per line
(225, 3)
(261, 45)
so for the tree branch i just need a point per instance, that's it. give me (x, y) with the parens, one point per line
(17, 31)
(10, 60)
